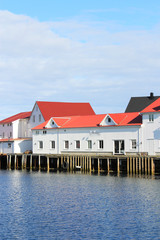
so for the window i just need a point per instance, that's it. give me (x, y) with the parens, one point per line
(89, 144)
(133, 144)
(66, 144)
(10, 135)
(119, 147)
(109, 120)
(34, 118)
(3, 134)
(39, 117)
(77, 144)
(52, 144)
(37, 132)
(151, 117)
(40, 145)
(3, 125)
(100, 144)
(9, 145)
(44, 132)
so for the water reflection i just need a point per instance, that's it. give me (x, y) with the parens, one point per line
(40, 205)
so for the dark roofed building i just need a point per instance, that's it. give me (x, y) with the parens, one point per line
(137, 104)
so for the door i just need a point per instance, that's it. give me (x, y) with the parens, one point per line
(119, 146)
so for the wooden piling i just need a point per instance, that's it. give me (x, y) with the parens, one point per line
(152, 166)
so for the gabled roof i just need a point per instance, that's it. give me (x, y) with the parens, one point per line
(62, 109)
(121, 119)
(75, 121)
(137, 104)
(13, 118)
(154, 107)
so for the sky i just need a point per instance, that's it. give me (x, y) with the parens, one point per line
(102, 52)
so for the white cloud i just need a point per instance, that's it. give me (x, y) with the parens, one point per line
(74, 61)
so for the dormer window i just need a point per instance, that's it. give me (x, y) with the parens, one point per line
(109, 120)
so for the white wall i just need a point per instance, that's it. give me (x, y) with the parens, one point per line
(20, 146)
(6, 129)
(151, 134)
(108, 134)
(35, 114)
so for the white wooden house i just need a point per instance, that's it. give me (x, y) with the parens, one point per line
(105, 134)
(15, 131)
(124, 133)
(14, 134)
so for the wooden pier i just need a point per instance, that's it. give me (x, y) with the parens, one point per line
(86, 163)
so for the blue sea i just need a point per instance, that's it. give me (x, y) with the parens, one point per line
(39, 205)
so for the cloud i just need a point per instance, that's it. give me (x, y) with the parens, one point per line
(74, 61)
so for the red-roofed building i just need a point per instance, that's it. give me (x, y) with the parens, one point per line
(103, 133)
(43, 111)
(14, 134)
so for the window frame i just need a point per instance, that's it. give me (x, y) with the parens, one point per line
(39, 144)
(77, 144)
(101, 144)
(52, 144)
(89, 142)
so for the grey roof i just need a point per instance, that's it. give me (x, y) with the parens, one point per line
(137, 104)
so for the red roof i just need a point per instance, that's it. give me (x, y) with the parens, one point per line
(120, 119)
(154, 107)
(13, 118)
(13, 139)
(62, 109)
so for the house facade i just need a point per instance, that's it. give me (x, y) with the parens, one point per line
(14, 134)
(15, 131)
(58, 128)
(104, 134)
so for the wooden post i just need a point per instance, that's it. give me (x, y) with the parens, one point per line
(118, 169)
(98, 165)
(137, 164)
(149, 165)
(146, 165)
(31, 162)
(152, 166)
(108, 165)
(131, 165)
(127, 165)
(58, 159)
(48, 164)
(90, 164)
(140, 163)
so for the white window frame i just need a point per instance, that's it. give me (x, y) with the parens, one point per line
(133, 144)
(52, 144)
(39, 145)
(151, 118)
(9, 145)
(89, 142)
(101, 144)
(66, 144)
(77, 142)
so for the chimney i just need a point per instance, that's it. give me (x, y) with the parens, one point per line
(151, 95)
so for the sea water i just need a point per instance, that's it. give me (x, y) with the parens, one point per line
(37, 205)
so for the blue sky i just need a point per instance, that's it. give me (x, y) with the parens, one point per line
(102, 52)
